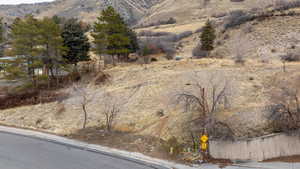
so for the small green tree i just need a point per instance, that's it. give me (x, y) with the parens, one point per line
(77, 42)
(58, 20)
(208, 37)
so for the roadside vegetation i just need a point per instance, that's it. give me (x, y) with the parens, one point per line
(58, 59)
(43, 55)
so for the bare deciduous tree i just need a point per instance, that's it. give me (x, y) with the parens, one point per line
(111, 110)
(85, 99)
(241, 46)
(206, 99)
(285, 96)
(112, 105)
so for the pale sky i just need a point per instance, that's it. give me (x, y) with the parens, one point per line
(13, 2)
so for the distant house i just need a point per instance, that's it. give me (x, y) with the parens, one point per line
(5, 60)
(38, 71)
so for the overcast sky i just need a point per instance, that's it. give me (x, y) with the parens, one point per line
(22, 1)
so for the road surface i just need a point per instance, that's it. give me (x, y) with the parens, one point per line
(33, 151)
(19, 152)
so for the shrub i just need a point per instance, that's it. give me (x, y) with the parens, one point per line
(60, 109)
(174, 144)
(248, 28)
(239, 60)
(29, 97)
(285, 5)
(159, 45)
(284, 120)
(291, 56)
(236, 18)
(101, 78)
(166, 36)
(161, 42)
(221, 131)
(144, 53)
(168, 48)
(199, 53)
(285, 110)
(219, 15)
(150, 33)
(171, 21)
(148, 46)
(160, 22)
(183, 35)
(199, 30)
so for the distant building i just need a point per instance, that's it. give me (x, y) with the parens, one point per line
(4, 61)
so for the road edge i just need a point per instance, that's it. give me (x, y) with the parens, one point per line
(120, 154)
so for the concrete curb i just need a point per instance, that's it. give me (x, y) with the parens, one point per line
(120, 154)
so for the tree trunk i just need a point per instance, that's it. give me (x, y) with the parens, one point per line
(107, 121)
(85, 116)
(113, 60)
(52, 74)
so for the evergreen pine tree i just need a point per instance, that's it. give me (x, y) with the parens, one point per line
(133, 46)
(25, 41)
(1, 31)
(52, 45)
(36, 44)
(112, 36)
(77, 42)
(58, 20)
(2, 39)
(208, 37)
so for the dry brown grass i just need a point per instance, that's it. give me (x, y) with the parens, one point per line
(153, 88)
(176, 28)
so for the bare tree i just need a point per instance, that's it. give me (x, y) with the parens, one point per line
(283, 59)
(111, 110)
(291, 56)
(238, 51)
(285, 96)
(206, 99)
(112, 105)
(241, 46)
(85, 99)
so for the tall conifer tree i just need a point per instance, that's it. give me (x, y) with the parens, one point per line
(77, 42)
(112, 36)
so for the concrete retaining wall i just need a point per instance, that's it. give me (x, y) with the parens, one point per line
(258, 149)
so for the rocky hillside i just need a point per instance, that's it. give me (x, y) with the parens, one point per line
(131, 10)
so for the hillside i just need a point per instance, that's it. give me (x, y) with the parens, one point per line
(131, 10)
(189, 11)
(134, 11)
(264, 39)
(252, 76)
(145, 92)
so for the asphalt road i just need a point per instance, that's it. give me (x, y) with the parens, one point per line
(18, 152)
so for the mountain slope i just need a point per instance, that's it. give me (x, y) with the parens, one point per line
(131, 10)
(136, 11)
